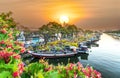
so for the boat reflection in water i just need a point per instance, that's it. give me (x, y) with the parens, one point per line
(65, 61)
(95, 45)
(83, 56)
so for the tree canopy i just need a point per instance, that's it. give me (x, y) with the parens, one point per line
(52, 28)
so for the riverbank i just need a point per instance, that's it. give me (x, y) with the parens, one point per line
(115, 35)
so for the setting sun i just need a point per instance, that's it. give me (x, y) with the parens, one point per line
(64, 19)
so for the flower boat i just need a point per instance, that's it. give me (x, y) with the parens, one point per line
(52, 55)
(82, 48)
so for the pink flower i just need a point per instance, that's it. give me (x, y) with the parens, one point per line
(75, 75)
(89, 69)
(79, 66)
(98, 74)
(85, 72)
(21, 67)
(15, 74)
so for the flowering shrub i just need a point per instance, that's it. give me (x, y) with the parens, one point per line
(11, 65)
(44, 70)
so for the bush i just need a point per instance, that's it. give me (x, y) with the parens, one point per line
(44, 70)
(10, 60)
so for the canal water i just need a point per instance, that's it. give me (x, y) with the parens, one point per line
(104, 57)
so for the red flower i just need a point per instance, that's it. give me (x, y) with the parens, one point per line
(5, 56)
(17, 56)
(20, 70)
(15, 74)
(2, 42)
(16, 42)
(9, 46)
(71, 66)
(21, 44)
(48, 69)
(22, 50)
(5, 26)
(3, 31)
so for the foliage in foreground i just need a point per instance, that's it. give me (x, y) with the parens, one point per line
(42, 69)
(11, 65)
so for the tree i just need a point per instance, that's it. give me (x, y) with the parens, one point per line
(72, 30)
(54, 27)
(49, 30)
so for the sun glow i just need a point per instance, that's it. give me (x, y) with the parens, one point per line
(64, 19)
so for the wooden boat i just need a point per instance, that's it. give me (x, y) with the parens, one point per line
(52, 55)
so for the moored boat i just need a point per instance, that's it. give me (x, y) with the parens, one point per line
(82, 49)
(53, 55)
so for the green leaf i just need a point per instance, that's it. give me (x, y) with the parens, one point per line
(2, 61)
(5, 74)
(25, 75)
(52, 74)
(35, 67)
(40, 75)
(7, 66)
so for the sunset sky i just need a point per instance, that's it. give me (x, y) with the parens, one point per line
(88, 14)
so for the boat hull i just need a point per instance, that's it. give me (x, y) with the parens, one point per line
(41, 55)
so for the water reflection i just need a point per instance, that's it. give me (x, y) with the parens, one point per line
(106, 57)
(65, 61)
(83, 56)
(95, 45)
